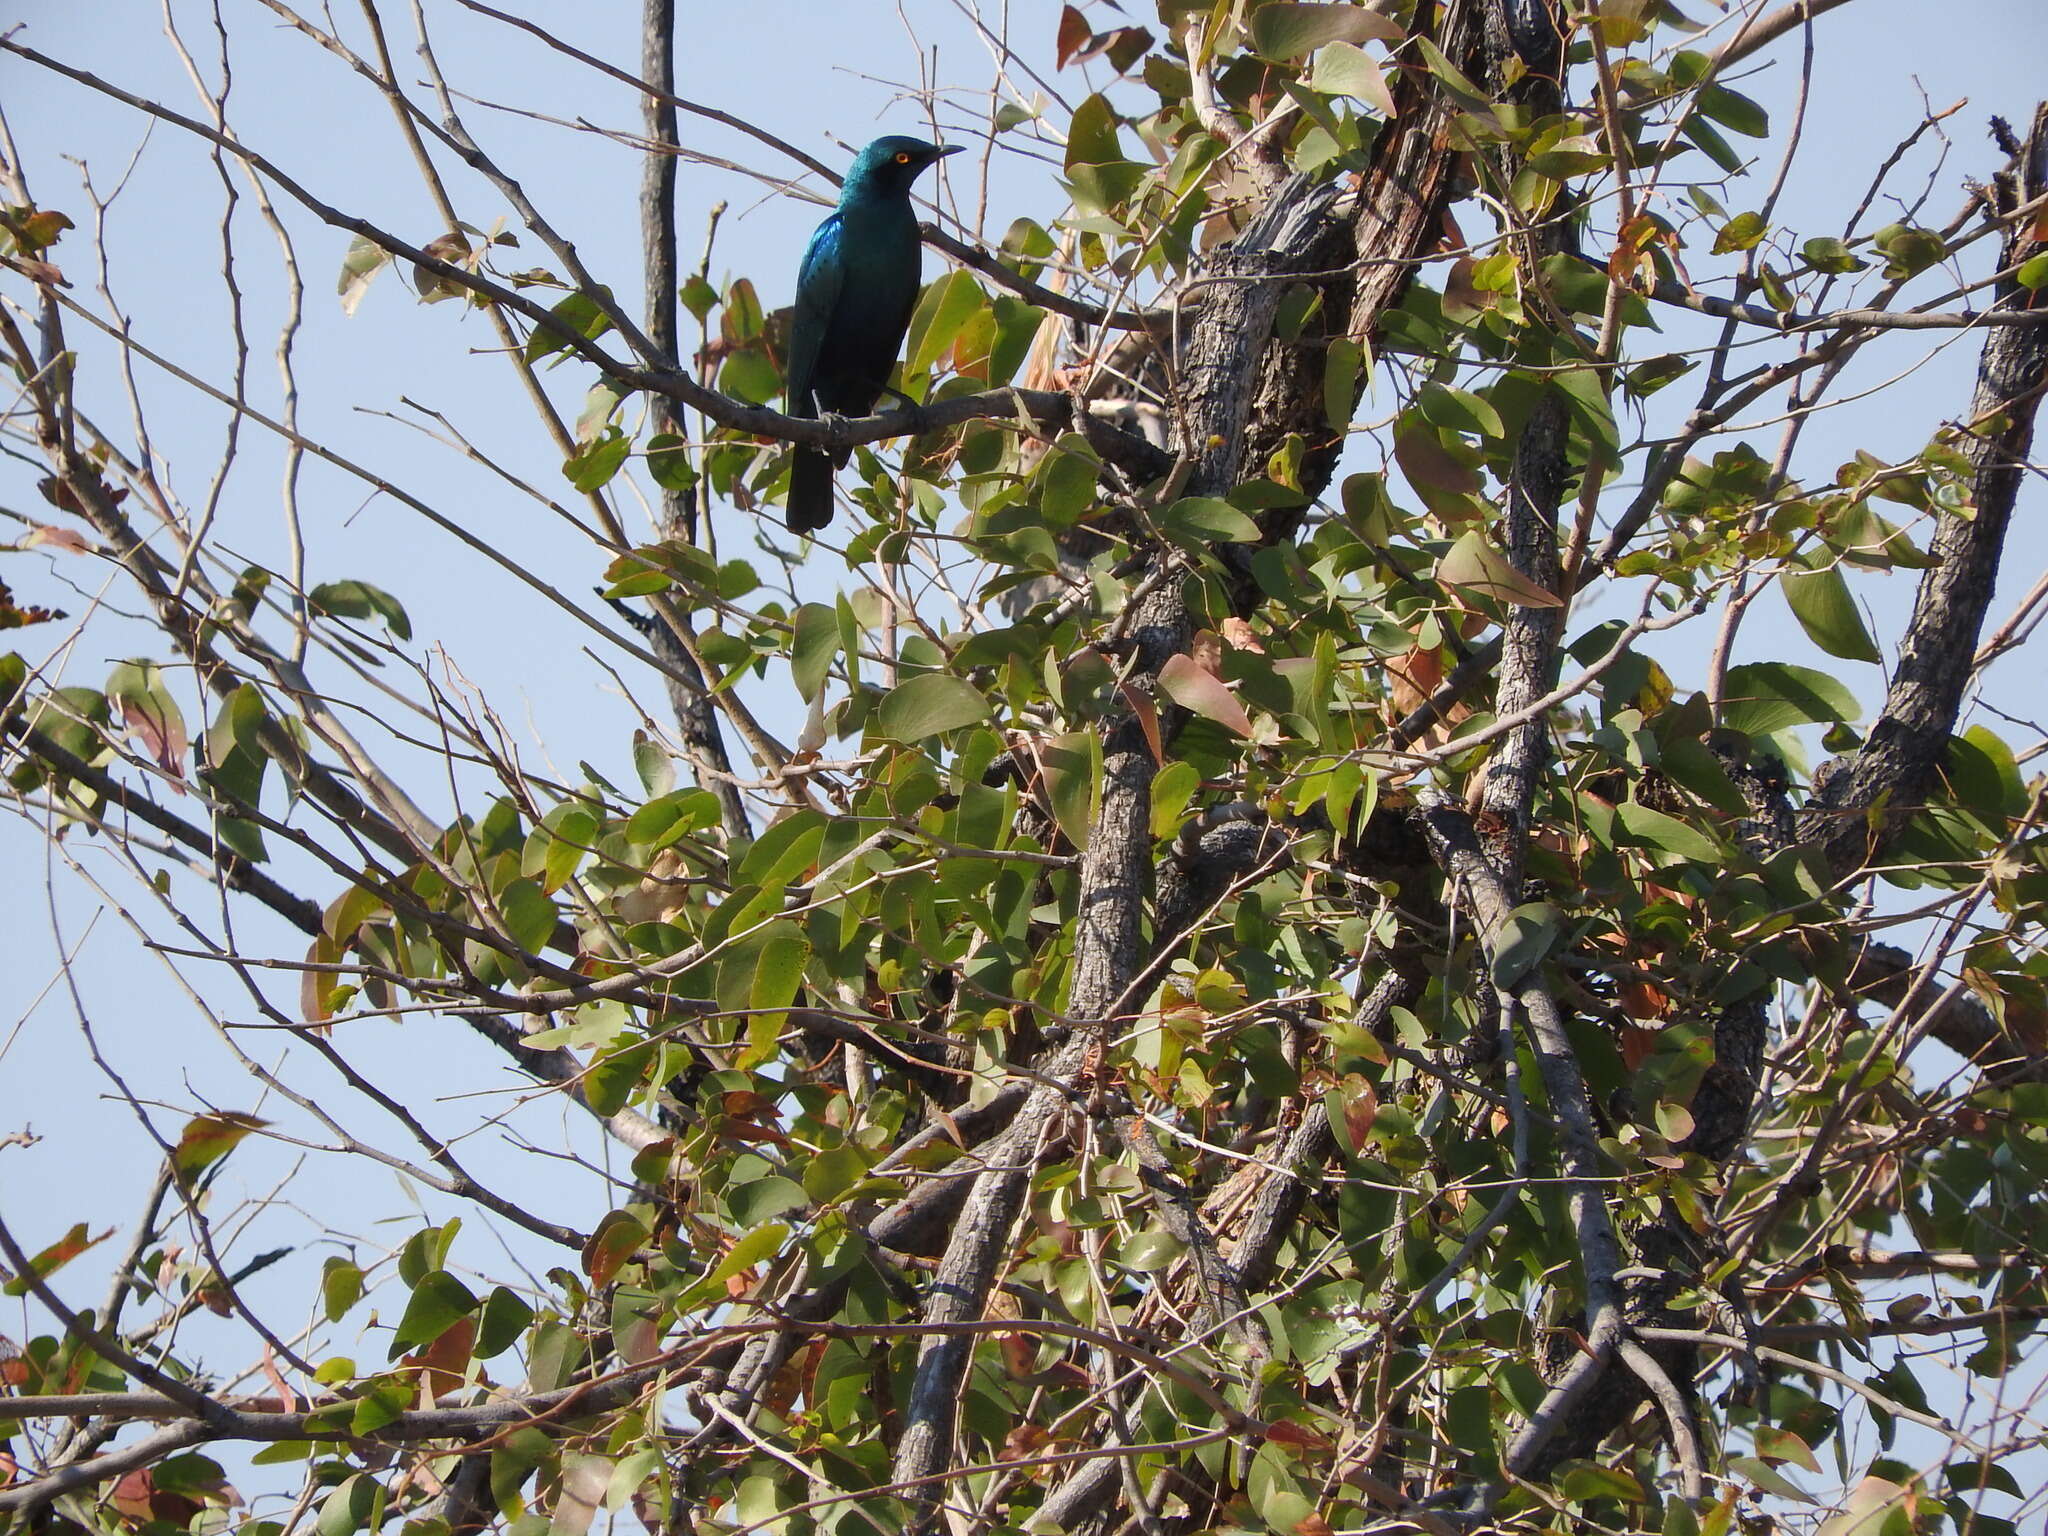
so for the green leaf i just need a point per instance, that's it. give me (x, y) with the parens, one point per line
(656, 769)
(506, 1317)
(2033, 272)
(832, 1172)
(1743, 232)
(234, 743)
(1708, 138)
(207, 1139)
(785, 850)
(666, 818)
(1198, 519)
(1908, 249)
(529, 915)
(341, 1287)
(1476, 566)
(1767, 1478)
(761, 1243)
(594, 464)
(1825, 254)
(929, 705)
(616, 1075)
(1734, 111)
(1066, 481)
(758, 1200)
(1344, 69)
(1775, 1444)
(360, 600)
(1821, 602)
(1666, 833)
(1526, 935)
(1459, 410)
(359, 266)
(668, 462)
(942, 310)
(577, 313)
(1172, 787)
(1969, 1476)
(1768, 696)
(778, 972)
(1149, 1251)
(557, 847)
(1341, 364)
(813, 648)
(1072, 767)
(1584, 1481)
(350, 1506)
(438, 1302)
(749, 373)
(698, 297)
(1091, 136)
(1285, 31)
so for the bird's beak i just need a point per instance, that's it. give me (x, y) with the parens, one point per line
(947, 149)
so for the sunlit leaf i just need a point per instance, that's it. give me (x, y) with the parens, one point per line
(930, 704)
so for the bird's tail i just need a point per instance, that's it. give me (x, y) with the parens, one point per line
(809, 507)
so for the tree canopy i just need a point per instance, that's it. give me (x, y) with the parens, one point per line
(1262, 936)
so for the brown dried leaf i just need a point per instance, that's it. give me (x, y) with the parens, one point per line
(1237, 633)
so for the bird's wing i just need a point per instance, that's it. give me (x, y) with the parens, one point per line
(818, 282)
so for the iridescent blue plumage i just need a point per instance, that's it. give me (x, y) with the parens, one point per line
(854, 294)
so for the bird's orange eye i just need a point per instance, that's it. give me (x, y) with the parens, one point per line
(902, 159)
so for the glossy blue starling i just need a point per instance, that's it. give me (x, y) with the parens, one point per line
(854, 294)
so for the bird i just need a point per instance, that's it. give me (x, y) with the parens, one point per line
(854, 293)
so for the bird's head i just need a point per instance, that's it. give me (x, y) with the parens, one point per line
(889, 165)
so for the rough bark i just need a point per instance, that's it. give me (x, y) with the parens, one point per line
(696, 719)
(1860, 801)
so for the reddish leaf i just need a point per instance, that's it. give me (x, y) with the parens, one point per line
(46, 273)
(1638, 1046)
(1194, 687)
(1148, 720)
(617, 1238)
(56, 1256)
(1429, 466)
(444, 1364)
(1018, 1353)
(1361, 1108)
(1641, 999)
(1025, 1440)
(1476, 566)
(69, 540)
(287, 1399)
(1237, 634)
(207, 1139)
(14, 616)
(151, 713)
(131, 1494)
(1287, 1432)
(1074, 36)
